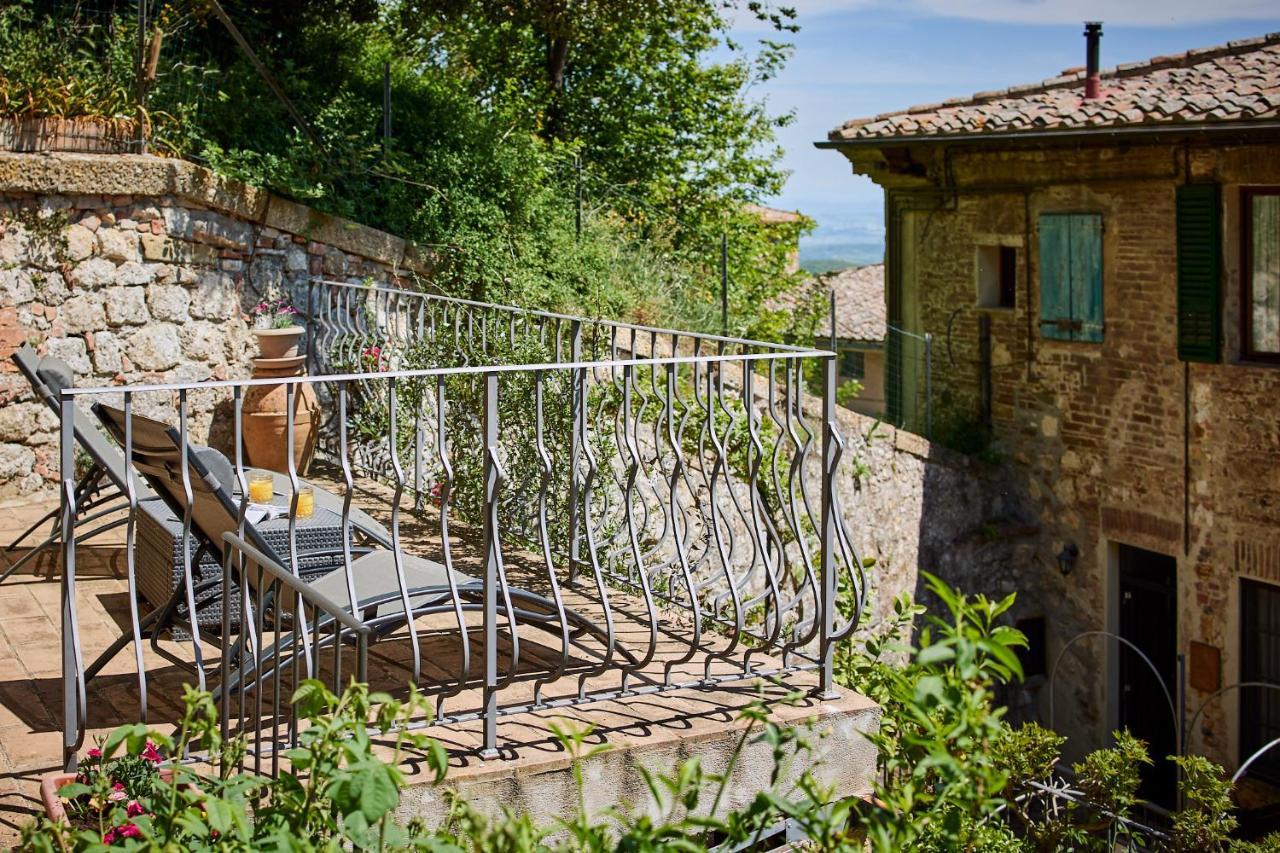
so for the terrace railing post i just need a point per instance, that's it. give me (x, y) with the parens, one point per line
(491, 544)
(72, 697)
(578, 401)
(828, 533)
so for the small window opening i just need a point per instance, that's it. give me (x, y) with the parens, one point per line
(997, 276)
(852, 365)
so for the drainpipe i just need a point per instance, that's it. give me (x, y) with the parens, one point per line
(1092, 79)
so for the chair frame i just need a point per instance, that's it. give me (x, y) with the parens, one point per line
(246, 543)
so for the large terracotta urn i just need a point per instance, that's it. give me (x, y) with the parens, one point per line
(265, 416)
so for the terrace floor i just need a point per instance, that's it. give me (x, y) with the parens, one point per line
(660, 726)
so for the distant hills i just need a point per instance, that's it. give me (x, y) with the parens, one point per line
(843, 238)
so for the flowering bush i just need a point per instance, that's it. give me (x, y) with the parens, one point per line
(107, 794)
(274, 314)
(373, 359)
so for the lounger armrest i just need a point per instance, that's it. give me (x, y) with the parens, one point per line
(279, 573)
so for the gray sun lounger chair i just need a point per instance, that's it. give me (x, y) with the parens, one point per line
(379, 597)
(102, 490)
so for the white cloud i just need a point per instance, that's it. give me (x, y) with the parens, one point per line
(1150, 13)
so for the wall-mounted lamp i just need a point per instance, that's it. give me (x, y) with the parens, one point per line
(1067, 558)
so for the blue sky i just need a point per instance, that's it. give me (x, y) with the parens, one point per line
(860, 57)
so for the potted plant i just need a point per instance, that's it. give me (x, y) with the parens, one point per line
(275, 323)
(107, 795)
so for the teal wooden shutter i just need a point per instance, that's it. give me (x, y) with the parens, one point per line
(1055, 276)
(1199, 272)
(1071, 276)
(1086, 277)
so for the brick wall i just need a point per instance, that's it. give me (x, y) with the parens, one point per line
(139, 269)
(1094, 433)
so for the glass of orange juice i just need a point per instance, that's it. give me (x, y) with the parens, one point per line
(306, 502)
(261, 488)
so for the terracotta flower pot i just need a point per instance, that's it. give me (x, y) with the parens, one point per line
(266, 417)
(279, 343)
(92, 134)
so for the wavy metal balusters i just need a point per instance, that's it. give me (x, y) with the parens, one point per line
(701, 538)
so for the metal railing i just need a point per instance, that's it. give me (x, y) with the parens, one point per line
(567, 510)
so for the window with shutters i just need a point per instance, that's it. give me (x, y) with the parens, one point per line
(1071, 276)
(1260, 239)
(1199, 270)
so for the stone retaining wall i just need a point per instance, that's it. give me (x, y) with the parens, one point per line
(141, 269)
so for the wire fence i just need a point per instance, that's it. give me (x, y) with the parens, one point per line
(909, 380)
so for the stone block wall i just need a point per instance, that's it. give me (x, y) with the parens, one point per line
(137, 269)
(1117, 443)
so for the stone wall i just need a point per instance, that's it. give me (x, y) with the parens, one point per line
(1112, 443)
(139, 269)
(912, 505)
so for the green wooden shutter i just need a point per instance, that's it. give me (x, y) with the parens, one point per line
(1055, 276)
(1071, 276)
(1199, 272)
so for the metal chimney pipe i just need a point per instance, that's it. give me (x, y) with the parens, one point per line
(1092, 79)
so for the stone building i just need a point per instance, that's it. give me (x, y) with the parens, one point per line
(1097, 257)
(860, 333)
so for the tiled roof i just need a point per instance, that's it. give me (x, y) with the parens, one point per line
(860, 312)
(860, 308)
(1238, 81)
(773, 215)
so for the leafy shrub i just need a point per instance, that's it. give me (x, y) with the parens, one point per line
(957, 777)
(341, 794)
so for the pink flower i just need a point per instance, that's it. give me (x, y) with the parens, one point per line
(130, 830)
(117, 795)
(117, 786)
(133, 808)
(152, 754)
(110, 837)
(95, 753)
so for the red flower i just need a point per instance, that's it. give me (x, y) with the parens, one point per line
(129, 830)
(134, 808)
(110, 837)
(95, 753)
(152, 754)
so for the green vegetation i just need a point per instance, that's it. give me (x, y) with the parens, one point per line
(954, 776)
(342, 792)
(493, 104)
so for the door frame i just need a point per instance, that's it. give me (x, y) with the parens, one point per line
(1110, 557)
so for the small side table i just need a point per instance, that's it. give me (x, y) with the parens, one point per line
(158, 551)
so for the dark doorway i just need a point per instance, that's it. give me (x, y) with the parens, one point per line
(1260, 661)
(1149, 620)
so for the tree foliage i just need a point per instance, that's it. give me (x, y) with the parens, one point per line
(493, 105)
